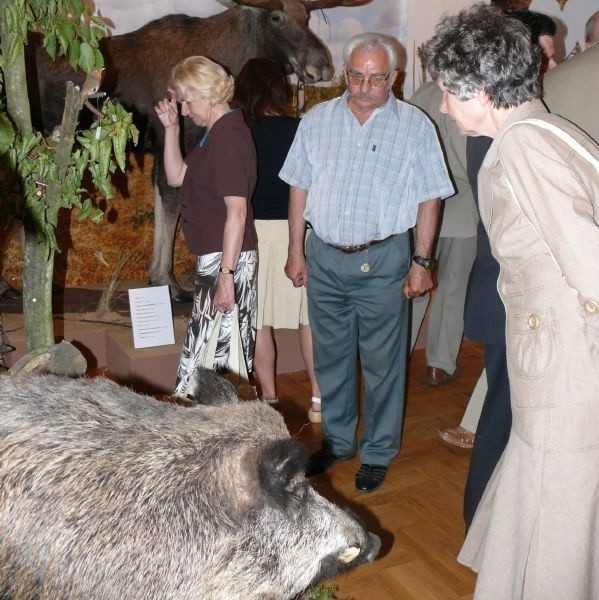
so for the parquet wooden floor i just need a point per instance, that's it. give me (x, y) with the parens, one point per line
(418, 511)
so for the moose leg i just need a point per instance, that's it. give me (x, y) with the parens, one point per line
(166, 215)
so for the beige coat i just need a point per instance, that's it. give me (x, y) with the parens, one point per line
(536, 532)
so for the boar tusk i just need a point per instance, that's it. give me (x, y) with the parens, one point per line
(349, 554)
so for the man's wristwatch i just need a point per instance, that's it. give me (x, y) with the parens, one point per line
(427, 263)
(226, 271)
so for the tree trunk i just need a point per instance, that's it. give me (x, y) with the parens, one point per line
(15, 79)
(38, 256)
(38, 267)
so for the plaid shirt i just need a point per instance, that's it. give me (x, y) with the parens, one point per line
(365, 181)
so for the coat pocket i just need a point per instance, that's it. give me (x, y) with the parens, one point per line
(533, 343)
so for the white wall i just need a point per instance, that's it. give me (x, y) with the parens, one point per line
(570, 22)
(128, 15)
(423, 16)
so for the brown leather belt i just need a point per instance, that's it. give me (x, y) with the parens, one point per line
(359, 247)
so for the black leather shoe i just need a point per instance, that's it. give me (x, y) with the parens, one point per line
(9, 293)
(370, 477)
(322, 460)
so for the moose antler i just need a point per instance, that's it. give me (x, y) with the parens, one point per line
(318, 4)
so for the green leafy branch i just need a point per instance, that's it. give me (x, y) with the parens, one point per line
(52, 171)
(101, 149)
(68, 27)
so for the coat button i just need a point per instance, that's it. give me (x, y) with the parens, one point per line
(591, 306)
(185, 221)
(534, 321)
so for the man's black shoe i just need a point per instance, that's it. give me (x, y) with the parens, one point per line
(370, 477)
(322, 460)
(9, 293)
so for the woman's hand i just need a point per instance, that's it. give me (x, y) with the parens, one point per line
(167, 112)
(224, 297)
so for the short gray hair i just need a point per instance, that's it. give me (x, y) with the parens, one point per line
(482, 49)
(369, 41)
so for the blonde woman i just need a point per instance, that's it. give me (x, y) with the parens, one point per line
(217, 179)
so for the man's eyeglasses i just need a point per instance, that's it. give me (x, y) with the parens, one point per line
(373, 80)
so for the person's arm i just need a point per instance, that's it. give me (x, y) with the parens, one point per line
(296, 268)
(419, 279)
(174, 164)
(224, 297)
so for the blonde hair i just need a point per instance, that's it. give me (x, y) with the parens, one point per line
(204, 77)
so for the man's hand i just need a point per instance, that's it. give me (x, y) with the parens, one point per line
(297, 270)
(418, 282)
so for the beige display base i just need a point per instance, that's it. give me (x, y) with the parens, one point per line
(109, 345)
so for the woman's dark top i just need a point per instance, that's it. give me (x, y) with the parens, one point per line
(273, 137)
(225, 165)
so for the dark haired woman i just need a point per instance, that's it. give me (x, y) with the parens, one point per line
(262, 92)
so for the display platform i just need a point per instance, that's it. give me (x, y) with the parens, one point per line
(107, 341)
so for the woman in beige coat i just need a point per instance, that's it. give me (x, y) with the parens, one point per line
(536, 532)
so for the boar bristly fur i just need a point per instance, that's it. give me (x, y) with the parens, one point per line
(109, 494)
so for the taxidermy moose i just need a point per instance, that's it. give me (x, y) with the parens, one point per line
(138, 66)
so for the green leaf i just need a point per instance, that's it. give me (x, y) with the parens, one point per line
(15, 47)
(66, 34)
(77, 8)
(67, 30)
(86, 57)
(119, 142)
(97, 215)
(98, 58)
(104, 157)
(30, 140)
(10, 17)
(85, 208)
(85, 33)
(30, 17)
(74, 53)
(49, 43)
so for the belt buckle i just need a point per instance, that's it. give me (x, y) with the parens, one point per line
(357, 248)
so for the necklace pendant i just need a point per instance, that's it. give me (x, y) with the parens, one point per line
(365, 268)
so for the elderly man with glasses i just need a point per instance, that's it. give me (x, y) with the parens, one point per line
(363, 169)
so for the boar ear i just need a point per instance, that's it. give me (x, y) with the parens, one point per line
(211, 389)
(280, 464)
